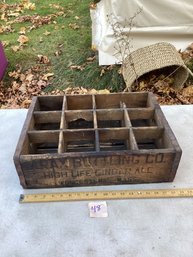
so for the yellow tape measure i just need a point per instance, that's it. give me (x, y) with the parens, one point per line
(106, 195)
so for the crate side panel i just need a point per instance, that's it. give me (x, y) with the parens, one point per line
(23, 143)
(97, 170)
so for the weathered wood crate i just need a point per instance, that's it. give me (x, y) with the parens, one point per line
(83, 140)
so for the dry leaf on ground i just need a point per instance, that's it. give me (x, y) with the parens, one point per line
(47, 33)
(43, 59)
(77, 67)
(47, 76)
(23, 39)
(73, 26)
(22, 30)
(15, 48)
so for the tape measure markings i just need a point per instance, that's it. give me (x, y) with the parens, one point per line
(106, 195)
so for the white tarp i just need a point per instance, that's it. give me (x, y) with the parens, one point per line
(159, 21)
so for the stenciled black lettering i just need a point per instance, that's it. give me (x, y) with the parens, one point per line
(48, 175)
(135, 159)
(149, 159)
(77, 162)
(159, 158)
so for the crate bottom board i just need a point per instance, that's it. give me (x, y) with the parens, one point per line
(95, 171)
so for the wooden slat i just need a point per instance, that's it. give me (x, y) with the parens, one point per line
(169, 140)
(151, 101)
(47, 116)
(111, 114)
(63, 125)
(43, 136)
(97, 144)
(141, 113)
(23, 143)
(50, 103)
(79, 102)
(81, 135)
(75, 148)
(115, 114)
(107, 101)
(113, 134)
(63, 118)
(61, 145)
(144, 133)
(126, 116)
(93, 102)
(79, 114)
(112, 147)
(132, 141)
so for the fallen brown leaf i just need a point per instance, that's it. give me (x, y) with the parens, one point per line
(57, 53)
(188, 91)
(29, 6)
(102, 72)
(43, 59)
(47, 76)
(77, 67)
(5, 43)
(73, 26)
(29, 77)
(47, 33)
(104, 91)
(22, 30)
(15, 48)
(23, 39)
(91, 59)
(23, 88)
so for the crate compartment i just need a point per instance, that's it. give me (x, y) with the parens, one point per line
(142, 117)
(112, 101)
(47, 120)
(114, 140)
(79, 120)
(76, 140)
(149, 138)
(143, 122)
(79, 102)
(79, 141)
(43, 148)
(110, 119)
(43, 142)
(48, 103)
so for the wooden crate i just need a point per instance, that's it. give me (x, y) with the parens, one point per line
(84, 140)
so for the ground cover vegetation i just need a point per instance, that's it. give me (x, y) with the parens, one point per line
(48, 46)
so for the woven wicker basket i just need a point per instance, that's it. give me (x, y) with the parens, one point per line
(154, 57)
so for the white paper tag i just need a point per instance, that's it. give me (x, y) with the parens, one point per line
(98, 209)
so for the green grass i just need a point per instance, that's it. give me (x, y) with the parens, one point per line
(75, 46)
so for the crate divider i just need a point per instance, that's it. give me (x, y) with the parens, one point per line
(132, 141)
(140, 113)
(61, 144)
(47, 116)
(97, 143)
(43, 136)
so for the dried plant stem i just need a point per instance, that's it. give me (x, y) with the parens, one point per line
(123, 39)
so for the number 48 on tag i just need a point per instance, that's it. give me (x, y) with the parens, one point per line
(98, 209)
(95, 208)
